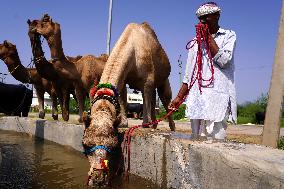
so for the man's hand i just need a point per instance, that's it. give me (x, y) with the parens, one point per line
(175, 103)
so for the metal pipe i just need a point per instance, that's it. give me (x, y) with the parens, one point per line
(109, 27)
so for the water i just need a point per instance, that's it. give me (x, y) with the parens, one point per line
(29, 162)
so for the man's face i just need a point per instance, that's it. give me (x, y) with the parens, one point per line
(210, 19)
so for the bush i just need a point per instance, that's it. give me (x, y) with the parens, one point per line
(280, 143)
(247, 111)
(73, 106)
(243, 120)
(180, 114)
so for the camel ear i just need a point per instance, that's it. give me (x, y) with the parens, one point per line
(46, 18)
(6, 43)
(29, 22)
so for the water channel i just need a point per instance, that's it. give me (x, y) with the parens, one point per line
(30, 162)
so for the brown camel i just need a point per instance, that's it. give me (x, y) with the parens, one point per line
(9, 54)
(46, 69)
(83, 73)
(138, 60)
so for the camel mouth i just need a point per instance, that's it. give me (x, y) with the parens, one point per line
(98, 178)
(99, 173)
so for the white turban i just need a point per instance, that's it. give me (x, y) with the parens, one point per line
(207, 8)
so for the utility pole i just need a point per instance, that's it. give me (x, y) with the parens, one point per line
(180, 69)
(272, 121)
(109, 27)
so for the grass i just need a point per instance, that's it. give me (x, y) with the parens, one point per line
(247, 139)
(244, 120)
(280, 143)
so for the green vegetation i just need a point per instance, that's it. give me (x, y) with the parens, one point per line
(247, 111)
(180, 114)
(280, 143)
(73, 106)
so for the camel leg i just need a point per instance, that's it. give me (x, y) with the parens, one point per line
(122, 101)
(80, 98)
(60, 98)
(40, 97)
(165, 95)
(153, 112)
(54, 105)
(147, 101)
(65, 107)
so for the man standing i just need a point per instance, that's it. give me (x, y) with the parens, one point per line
(212, 102)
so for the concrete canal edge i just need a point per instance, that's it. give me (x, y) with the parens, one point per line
(172, 161)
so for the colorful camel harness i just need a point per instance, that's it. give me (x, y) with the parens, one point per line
(106, 95)
(101, 91)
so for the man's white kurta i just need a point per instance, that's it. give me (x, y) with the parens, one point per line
(215, 100)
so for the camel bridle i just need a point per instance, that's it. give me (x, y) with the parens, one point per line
(36, 44)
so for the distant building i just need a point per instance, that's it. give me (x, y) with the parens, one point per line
(47, 100)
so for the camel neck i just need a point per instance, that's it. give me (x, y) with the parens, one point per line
(44, 68)
(17, 70)
(55, 45)
(115, 73)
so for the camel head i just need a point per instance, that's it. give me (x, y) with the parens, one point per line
(35, 38)
(7, 49)
(32, 27)
(46, 27)
(100, 139)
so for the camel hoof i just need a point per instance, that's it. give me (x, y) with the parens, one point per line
(55, 116)
(65, 117)
(80, 120)
(154, 126)
(41, 115)
(172, 126)
(123, 122)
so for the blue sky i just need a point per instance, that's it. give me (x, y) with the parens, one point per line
(84, 31)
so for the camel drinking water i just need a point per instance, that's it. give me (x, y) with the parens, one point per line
(83, 73)
(138, 60)
(9, 54)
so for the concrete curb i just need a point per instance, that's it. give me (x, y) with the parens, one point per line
(171, 160)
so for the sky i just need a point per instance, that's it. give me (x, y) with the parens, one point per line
(84, 26)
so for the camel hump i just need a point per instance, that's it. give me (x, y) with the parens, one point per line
(74, 59)
(145, 26)
(103, 57)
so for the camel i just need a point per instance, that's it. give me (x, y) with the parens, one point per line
(138, 60)
(9, 54)
(83, 73)
(62, 86)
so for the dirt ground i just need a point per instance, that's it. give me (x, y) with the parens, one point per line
(239, 133)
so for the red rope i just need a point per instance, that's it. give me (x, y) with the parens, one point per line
(201, 38)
